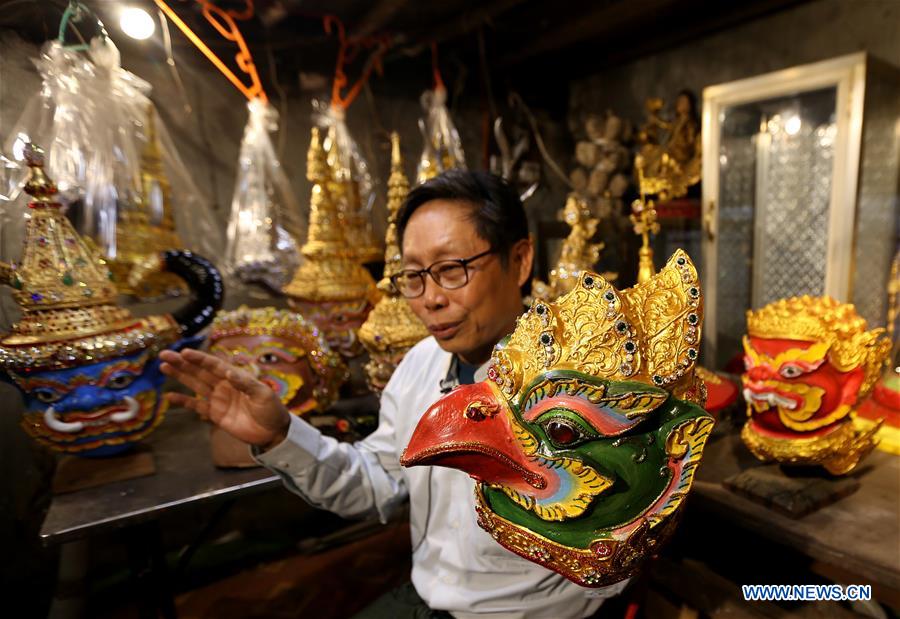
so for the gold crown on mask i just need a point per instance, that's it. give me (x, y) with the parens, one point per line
(63, 287)
(246, 321)
(392, 328)
(822, 319)
(649, 333)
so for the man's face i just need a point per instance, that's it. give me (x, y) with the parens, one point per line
(470, 320)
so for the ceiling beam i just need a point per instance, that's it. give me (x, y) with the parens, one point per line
(379, 16)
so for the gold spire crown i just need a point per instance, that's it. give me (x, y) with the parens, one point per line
(392, 326)
(330, 272)
(649, 333)
(441, 150)
(823, 319)
(58, 268)
(63, 286)
(325, 235)
(398, 189)
(264, 321)
(147, 227)
(345, 193)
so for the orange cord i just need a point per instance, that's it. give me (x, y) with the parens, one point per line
(347, 51)
(435, 68)
(223, 22)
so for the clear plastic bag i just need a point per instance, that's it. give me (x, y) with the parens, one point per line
(265, 215)
(443, 148)
(355, 188)
(119, 176)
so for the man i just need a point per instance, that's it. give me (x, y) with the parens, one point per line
(466, 256)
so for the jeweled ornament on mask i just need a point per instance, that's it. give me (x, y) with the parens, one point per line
(810, 363)
(87, 368)
(585, 437)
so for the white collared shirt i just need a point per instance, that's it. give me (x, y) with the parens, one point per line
(457, 566)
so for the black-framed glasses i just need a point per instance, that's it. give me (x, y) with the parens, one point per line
(448, 274)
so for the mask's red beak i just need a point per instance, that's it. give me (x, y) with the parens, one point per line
(471, 429)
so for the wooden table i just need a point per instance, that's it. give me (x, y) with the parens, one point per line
(185, 475)
(859, 534)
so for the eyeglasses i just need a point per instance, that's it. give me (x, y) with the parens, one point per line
(448, 274)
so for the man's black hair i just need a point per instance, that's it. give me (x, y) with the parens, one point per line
(497, 211)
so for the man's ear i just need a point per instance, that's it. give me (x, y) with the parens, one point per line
(523, 257)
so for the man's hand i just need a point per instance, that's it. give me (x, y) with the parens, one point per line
(232, 399)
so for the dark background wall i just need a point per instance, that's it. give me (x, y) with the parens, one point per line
(805, 33)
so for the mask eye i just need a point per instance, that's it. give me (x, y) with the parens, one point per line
(120, 381)
(790, 371)
(269, 358)
(563, 432)
(47, 396)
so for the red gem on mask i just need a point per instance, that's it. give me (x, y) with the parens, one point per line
(602, 549)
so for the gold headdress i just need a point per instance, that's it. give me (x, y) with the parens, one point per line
(245, 321)
(822, 319)
(331, 271)
(392, 328)
(649, 333)
(63, 286)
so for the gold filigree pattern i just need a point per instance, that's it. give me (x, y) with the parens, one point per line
(838, 450)
(607, 561)
(648, 333)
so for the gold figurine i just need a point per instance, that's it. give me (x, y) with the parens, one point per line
(668, 163)
(578, 253)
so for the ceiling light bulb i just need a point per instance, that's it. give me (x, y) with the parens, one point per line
(137, 23)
